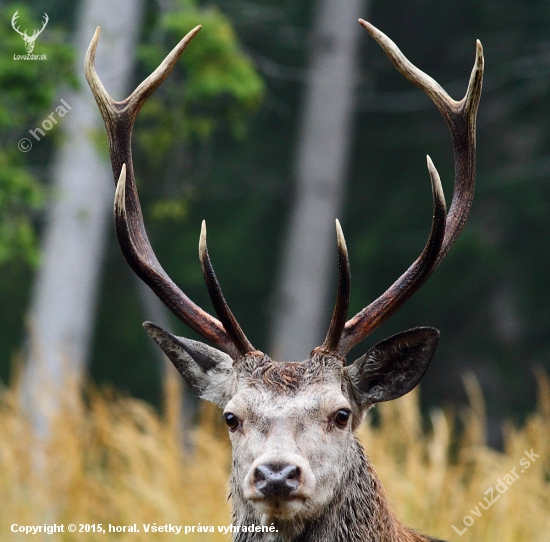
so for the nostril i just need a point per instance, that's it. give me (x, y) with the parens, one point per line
(262, 473)
(276, 480)
(293, 472)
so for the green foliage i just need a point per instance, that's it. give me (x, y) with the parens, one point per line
(168, 208)
(20, 194)
(28, 89)
(217, 86)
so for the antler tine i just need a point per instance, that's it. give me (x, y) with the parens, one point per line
(218, 300)
(461, 119)
(119, 119)
(340, 313)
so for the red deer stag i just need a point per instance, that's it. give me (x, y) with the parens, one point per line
(297, 465)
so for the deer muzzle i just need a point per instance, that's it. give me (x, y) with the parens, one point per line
(280, 485)
(276, 480)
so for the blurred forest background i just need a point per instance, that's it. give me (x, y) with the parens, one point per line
(220, 141)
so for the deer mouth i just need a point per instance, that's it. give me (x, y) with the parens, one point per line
(282, 501)
(282, 507)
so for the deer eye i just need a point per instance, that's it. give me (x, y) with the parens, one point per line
(341, 417)
(231, 420)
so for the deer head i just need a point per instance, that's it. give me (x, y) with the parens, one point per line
(29, 40)
(296, 461)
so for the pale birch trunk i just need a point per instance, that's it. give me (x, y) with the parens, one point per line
(65, 290)
(310, 256)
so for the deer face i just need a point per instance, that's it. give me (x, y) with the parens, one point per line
(291, 424)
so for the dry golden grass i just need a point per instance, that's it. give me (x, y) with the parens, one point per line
(114, 460)
(434, 479)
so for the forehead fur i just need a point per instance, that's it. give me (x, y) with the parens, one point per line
(289, 377)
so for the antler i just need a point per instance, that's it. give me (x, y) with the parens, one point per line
(13, 19)
(461, 120)
(119, 118)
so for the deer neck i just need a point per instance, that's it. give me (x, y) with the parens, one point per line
(358, 512)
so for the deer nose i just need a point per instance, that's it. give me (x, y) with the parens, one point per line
(276, 480)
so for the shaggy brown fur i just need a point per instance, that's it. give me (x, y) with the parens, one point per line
(288, 377)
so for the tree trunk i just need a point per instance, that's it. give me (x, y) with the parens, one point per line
(322, 155)
(65, 290)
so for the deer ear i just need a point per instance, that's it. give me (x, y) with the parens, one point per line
(208, 371)
(393, 367)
